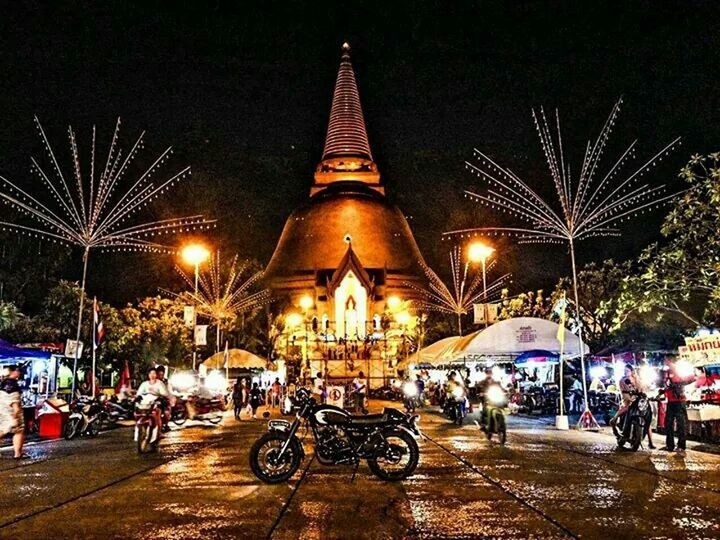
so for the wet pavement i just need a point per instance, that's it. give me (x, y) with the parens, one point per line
(543, 484)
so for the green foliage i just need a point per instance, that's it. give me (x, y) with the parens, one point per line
(527, 304)
(9, 315)
(682, 274)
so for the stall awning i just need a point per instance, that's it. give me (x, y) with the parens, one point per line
(11, 353)
(237, 359)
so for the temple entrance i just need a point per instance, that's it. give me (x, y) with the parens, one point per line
(351, 308)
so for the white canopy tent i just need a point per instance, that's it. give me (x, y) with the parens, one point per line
(504, 340)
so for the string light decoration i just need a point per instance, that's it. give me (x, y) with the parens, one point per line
(459, 298)
(591, 204)
(223, 296)
(92, 210)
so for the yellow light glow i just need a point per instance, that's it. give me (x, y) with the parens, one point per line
(293, 320)
(306, 302)
(195, 254)
(402, 317)
(478, 252)
(393, 302)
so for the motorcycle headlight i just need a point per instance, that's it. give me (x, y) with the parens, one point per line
(410, 389)
(458, 392)
(495, 395)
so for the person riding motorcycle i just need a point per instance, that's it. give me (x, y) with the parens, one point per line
(627, 384)
(153, 389)
(482, 388)
(455, 382)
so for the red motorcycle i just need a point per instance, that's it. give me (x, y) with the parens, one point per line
(147, 430)
(205, 409)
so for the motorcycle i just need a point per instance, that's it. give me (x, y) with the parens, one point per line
(115, 410)
(632, 425)
(455, 405)
(411, 397)
(386, 441)
(205, 409)
(147, 431)
(86, 415)
(493, 416)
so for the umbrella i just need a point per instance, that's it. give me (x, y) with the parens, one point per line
(536, 358)
(237, 358)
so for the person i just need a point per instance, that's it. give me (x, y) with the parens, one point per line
(360, 385)
(628, 384)
(238, 396)
(160, 370)
(318, 387)
(676, 415)
(482, 388)
(275, 391)
(420, 385)
(575, 395)
(255, 399)
(11, 413)
(154, 388)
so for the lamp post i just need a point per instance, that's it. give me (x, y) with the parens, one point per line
(195, 254)
(480, 252)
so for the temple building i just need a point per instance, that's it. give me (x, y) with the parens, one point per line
(346, 260)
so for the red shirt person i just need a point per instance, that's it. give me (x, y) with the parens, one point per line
(678, 374)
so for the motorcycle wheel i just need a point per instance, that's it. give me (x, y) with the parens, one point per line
(71, 428)
(179, 418)
(500, 427)
(398, 459)
(263, 458)
(215, 420)
(144, 446)
(636, 437)
(94, 428)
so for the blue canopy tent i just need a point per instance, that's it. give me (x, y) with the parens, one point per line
(536, 358)
(39, 368)
(9, 353)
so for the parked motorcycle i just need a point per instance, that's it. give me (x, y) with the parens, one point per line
(147, 431)
(115, 410)
(493, 414)
(632, 425)
(386, 441)
(86, 415)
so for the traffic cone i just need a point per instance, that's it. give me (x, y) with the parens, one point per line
(587, 422)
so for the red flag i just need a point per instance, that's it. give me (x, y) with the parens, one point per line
(98, 327)
(124, 378)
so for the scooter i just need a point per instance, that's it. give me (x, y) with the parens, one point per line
(85, 418)
(493, 418)
(210, 410)
(411, 399)
(632, 425)
(147, 431)
(455, 405)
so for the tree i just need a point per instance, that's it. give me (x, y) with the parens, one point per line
(9, 315)
(527, 304)
(682, 274)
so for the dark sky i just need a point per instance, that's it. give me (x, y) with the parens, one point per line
(243, 89)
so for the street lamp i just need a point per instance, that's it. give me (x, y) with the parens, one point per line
(480, 252)
(394, 302)
(195, 254)
(306, 303)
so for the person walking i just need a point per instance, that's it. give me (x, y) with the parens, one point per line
(676, 415)
(11, 413)
(237, 397)
(275, 392)
(256, 399)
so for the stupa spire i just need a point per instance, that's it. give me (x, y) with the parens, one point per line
(346, 156)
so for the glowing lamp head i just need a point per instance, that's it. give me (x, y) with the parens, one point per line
(684, 369)
(293, 320)
(495, 395)
(393, 302)
(306, 302)
(410, 389)
(648, 375)
(402, 318)
(478, 252)
(598, 372)
(195, 254)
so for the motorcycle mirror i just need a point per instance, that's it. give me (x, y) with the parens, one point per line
(266, 415)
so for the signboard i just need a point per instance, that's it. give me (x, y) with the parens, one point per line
(71, 347)
(335, 395)
(702, 351)
(485, 312)
(189, 316)
(201, 334)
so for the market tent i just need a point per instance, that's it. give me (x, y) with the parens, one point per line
(513, 337)
(433, 353)
(237, 359)
(9, 353)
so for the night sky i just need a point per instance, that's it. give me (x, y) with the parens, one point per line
(242, 90)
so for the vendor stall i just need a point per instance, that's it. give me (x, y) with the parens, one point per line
(703, 352)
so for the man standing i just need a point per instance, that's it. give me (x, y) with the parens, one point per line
(675, 381)
(11, 413)
(360, 384)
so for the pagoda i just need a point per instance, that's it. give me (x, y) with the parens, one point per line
(346, 259)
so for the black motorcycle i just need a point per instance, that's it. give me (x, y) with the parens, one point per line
(493, 416)
(386, 441)
(632, 425)
(454, 406)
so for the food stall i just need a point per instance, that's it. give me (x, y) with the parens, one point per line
(703, 352)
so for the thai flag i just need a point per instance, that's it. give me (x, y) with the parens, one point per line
(98, 328)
